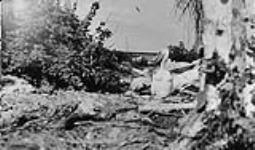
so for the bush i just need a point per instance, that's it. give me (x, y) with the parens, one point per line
(53, 46)
(180, 54)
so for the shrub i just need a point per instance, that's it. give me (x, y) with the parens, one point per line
(180, 54)
(53, 46)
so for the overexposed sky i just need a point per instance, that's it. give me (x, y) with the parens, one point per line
(153, 28)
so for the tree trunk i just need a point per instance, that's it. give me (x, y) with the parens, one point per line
(217, 27)
(225, 28)
(199, 15)
(226, 24)
(228, 29)
(250, 25)
(1, 23)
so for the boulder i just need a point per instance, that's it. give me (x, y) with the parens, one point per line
(12, 84)
(140, 84)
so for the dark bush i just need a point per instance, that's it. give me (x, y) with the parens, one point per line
(180, 54)
(52, 45)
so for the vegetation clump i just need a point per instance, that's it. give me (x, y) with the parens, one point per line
(52, 46)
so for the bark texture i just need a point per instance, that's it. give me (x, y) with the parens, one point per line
(217, 27)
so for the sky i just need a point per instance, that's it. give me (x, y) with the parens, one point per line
(152, 28)
(138, 25)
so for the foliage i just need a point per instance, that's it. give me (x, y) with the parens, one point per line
(190, 6)
(223, 130)
(52, 45)
(195, 10)
(181, 54)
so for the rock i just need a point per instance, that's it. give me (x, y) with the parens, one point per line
(11, 84)
(212, 97)
(140, 84)
(5, 118)
(89, 107)
(249, 104)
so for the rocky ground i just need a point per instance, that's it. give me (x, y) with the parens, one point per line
(79, 120)
(65, 120)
